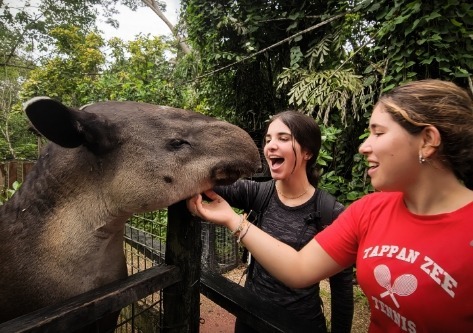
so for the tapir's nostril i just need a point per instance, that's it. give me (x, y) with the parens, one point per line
(168, 179)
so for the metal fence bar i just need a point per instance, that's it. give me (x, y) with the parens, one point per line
(86, 308)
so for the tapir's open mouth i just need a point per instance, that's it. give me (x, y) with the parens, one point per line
(228, 173)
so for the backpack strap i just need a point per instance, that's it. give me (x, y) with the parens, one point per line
(261, 200)
(321, 217)
(325, 207)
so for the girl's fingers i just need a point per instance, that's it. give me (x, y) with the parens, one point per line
(190, 203)
(213, 209)
(193, 203)
(211, 195)
(201, 206)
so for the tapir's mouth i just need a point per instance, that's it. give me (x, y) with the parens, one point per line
(228, 173)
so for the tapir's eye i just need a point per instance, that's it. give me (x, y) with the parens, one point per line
(176, 144)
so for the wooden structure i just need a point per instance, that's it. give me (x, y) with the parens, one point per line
(11, 171)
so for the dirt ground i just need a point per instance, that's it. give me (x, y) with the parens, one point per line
(215, 319)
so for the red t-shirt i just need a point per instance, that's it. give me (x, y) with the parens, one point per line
(416, 271)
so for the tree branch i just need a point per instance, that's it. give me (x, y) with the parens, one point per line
(16, 66)
(155, 8)
(272, 46)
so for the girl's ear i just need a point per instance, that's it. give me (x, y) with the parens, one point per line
(431, 140)
(307, 156)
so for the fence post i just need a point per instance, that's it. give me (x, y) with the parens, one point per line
(181, 301)
(209, 255)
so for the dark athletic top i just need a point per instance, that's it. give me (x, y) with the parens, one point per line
(290, 225)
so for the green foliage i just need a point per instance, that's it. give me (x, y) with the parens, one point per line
(326, 91)
(8, 193)
(225, 32)
(26, 27)
(416, 40)
(81, 72)
(15, 140)
(52, 48)
(140, 70)
(71, 74)
(154, 223)
(343, 177)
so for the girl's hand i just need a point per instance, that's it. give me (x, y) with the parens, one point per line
(217, 210)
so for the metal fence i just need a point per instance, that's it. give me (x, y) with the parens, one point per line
(145, 237)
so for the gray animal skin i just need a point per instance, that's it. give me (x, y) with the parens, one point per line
(61, 234)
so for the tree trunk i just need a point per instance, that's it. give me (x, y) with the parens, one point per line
(154, 6)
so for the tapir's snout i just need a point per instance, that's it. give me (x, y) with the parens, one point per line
(242, 157)
(227, 173)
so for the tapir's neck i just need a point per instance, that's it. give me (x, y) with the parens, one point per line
(84, 215)
(65, 224)
(51, 201)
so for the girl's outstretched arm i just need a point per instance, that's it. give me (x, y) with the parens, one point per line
(295, 269)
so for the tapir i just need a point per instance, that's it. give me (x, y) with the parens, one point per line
(61, 234)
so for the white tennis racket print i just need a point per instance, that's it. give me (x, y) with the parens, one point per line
(404, 285)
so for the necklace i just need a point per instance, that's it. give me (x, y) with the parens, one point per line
(296, 197)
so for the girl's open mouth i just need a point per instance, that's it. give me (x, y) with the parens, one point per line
(275, 162)
(372, 167)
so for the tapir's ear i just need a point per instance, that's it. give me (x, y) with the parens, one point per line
(67, 127)
(54, 121)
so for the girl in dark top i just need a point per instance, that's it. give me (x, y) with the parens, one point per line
(291, 146)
